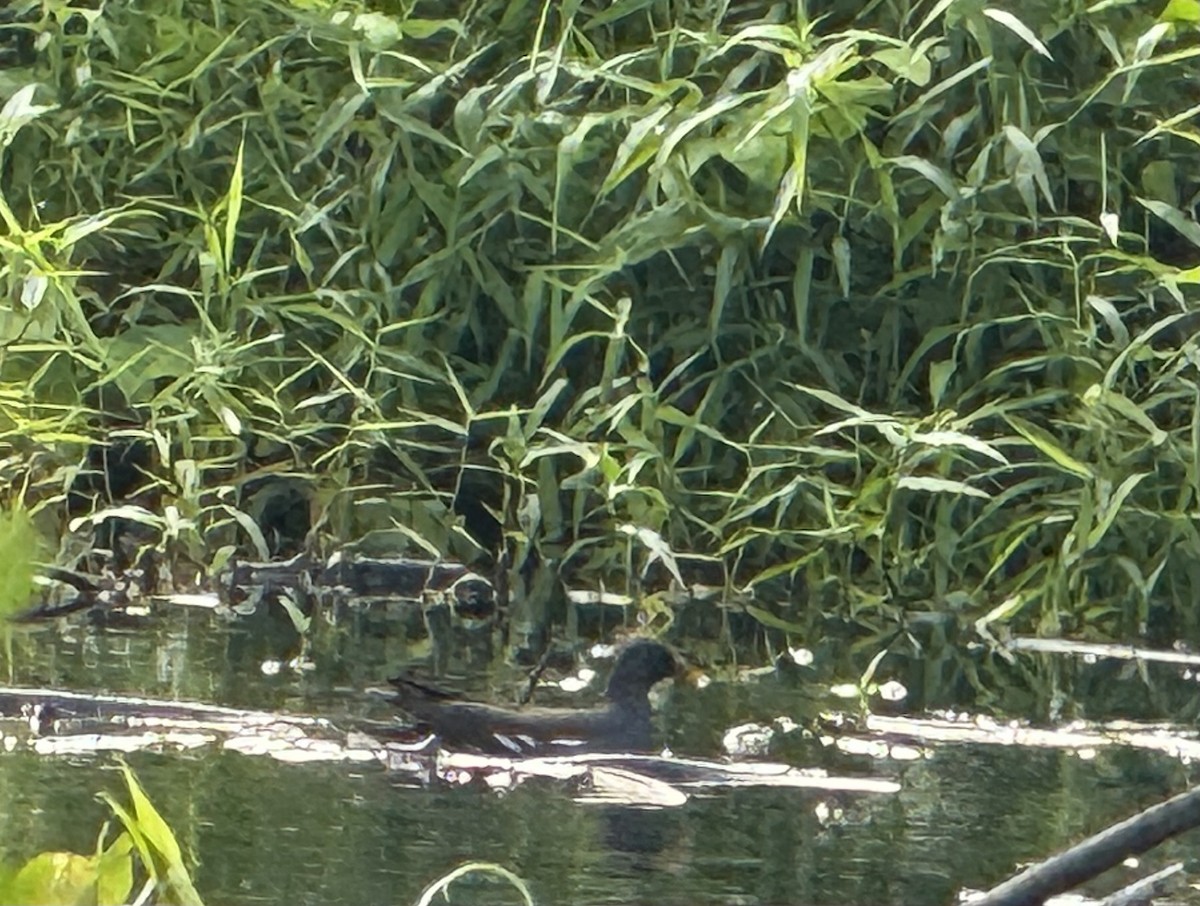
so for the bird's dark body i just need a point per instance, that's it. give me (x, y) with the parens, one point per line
(623, 725)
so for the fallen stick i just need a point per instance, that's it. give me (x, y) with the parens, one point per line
(1144, 889)
(1097, 854)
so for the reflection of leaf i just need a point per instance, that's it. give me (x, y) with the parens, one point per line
(442, 885)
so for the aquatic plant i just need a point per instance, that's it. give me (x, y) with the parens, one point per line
(145, 852)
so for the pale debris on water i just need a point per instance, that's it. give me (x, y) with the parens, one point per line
(90, 743)
(579, 681)
(205, 601)
(802, 657)
(753, 739)
(286, 745)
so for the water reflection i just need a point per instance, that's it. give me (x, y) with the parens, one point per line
(264, 832)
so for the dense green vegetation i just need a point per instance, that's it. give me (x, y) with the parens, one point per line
(891, 305)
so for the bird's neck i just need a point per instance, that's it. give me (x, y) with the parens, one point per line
(627, 700)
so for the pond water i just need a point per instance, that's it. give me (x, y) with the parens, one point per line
(260, 831)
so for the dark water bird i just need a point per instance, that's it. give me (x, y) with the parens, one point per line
(621, 725)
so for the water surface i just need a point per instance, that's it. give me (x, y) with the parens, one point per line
(259, 831)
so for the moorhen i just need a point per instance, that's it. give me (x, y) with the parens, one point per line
(623, 725)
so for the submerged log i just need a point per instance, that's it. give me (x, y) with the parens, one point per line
(1098, 853)
(1143, 890)
(51, 722)
(467, 591)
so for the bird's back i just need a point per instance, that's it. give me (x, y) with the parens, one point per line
(493, 729)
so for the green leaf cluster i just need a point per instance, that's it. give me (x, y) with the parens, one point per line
(70, 879)
(897, 292)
